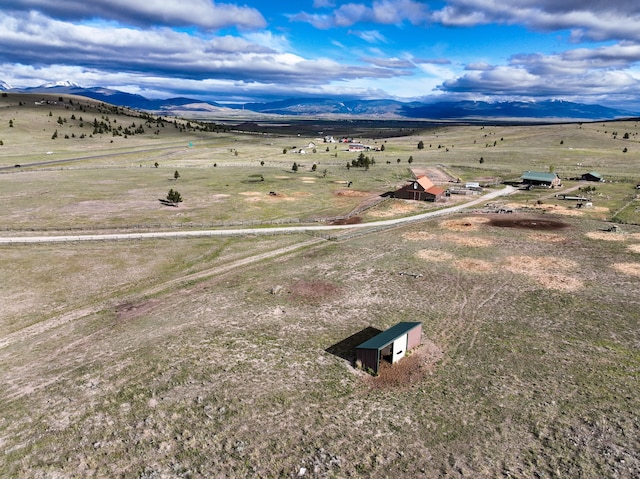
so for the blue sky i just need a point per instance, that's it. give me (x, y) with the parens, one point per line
(576, 50)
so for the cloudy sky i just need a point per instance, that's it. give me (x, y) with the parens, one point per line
(577, 50)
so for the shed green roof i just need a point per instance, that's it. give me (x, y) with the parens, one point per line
(385, 338)
(539, 176)
(594, 174)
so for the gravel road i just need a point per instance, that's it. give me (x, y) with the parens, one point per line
(256, 231)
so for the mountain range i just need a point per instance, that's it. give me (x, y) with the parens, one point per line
(547, 110)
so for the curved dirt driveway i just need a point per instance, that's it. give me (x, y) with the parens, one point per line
(76, 314)
(256, 231)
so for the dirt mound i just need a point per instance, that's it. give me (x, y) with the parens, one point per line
(409, 371)
(129, 311)
(527, 222)
(313, 291)
(353, 220)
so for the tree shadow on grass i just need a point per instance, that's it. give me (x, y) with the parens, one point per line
(346, 349)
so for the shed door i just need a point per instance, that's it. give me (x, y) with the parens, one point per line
(399, 348)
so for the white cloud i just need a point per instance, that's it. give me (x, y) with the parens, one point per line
(385, 12)
(202, 13)
(370, 36)
(587, 19)
(323, 4)
(268, 40)
(390, 62)
(33, 38)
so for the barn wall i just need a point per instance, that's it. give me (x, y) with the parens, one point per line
(368, 358)
(414, 337)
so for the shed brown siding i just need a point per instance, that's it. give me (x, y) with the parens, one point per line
(414, 337)
(368, 358)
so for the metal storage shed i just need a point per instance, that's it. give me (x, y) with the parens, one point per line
(391, 344)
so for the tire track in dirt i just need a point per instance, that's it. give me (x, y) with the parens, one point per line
(461, 329)
(74, 315)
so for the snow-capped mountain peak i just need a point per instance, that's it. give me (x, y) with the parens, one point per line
(63, 83)
(5, 86)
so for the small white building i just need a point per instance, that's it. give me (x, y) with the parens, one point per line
(357, 147)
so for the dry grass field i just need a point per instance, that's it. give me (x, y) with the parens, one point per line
(166, 358)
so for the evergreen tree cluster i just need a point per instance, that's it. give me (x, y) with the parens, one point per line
(173, 196)
(363, 161)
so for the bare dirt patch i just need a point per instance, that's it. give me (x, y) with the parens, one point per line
(351, 193)
(130, 311)
(527, 222)
(352, 220)
(547, 237)
(605, 236)
(469, 241)
(631, 269)
(394, 209)
(548, 272)
(469, 223)
(434, 255)
(531, 264)
(634, 248)
(409, 371)
(570, 210)
(313, 291)
(250, 193)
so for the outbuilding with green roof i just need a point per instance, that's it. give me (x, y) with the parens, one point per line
(537, 178)
(390, 345)
(592, 176)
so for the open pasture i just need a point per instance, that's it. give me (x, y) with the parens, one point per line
(529, 363)
(215, 357)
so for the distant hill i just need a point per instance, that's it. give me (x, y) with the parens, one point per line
(462, 110)
(547, 110)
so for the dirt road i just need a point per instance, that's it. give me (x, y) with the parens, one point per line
(256, 231)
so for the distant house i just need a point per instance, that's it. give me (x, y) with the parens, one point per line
(536, 178)
(421, 189)
(390, 345)
(311, 145)
(592, 176)
(357, 147)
